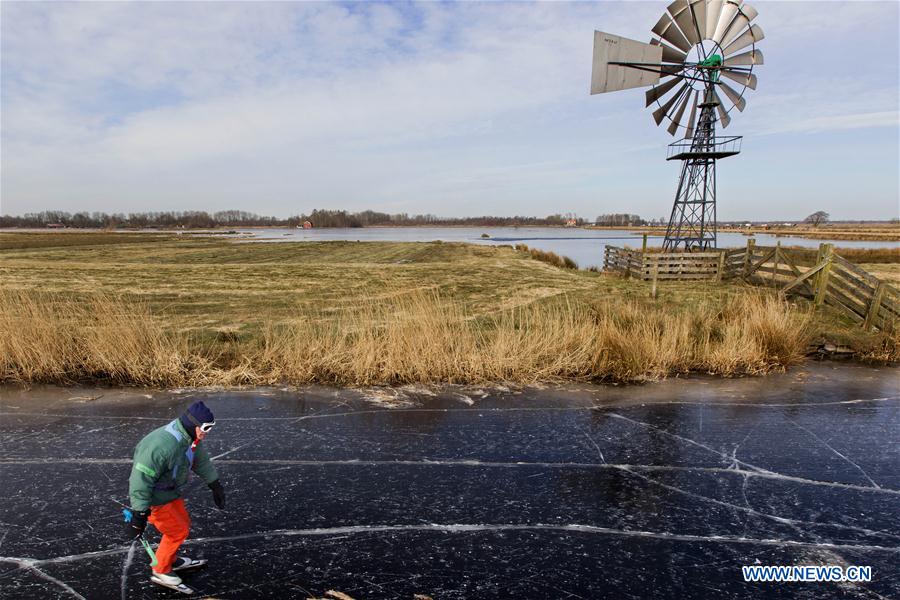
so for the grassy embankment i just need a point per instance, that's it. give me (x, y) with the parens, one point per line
(167, 310)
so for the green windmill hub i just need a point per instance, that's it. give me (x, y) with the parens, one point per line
(714, 63)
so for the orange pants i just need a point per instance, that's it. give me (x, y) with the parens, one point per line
(173, 522)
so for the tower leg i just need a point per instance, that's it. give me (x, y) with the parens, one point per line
(692, 224)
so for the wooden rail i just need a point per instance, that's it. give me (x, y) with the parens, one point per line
(820, 275)
(676, 265)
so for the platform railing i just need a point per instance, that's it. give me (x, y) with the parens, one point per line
(721, 145)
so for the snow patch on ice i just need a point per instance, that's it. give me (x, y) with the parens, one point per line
(387, 397)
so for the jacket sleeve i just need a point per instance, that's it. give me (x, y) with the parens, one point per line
(203, 465)
(145, 472)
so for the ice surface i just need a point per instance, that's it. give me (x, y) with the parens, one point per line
(662, 490)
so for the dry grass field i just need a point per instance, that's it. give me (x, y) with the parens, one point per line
(889, 272)
(207, 285)
(164, 310)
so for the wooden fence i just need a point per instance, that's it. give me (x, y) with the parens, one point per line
(684, 266)
(820, 275)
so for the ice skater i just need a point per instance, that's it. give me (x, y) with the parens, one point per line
(163, 461)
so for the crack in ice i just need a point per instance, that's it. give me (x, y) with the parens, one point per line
(726, 457)
(747, 509)
(230, 451)
(128, 560)
(31, 565)
(827, 445)
(734, 459)
(600, 452)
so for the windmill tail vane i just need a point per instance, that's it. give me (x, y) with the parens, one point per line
(696, 45)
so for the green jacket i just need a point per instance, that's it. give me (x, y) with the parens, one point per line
(162, 464)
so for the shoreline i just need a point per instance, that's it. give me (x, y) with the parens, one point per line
(653, 388)
(813, 359)
(825, 234)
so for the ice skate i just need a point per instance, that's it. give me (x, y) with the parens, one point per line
(171, 581)
(183, 563)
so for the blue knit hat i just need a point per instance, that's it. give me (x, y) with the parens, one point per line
(196, 414)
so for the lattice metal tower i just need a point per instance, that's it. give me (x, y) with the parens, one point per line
(692, 224)
(695, 45)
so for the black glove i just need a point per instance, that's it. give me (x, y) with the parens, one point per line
(218, 494)
(135, 523)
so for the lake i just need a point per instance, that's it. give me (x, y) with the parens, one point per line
(584, 246)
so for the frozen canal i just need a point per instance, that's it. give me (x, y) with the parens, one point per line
(659, 491)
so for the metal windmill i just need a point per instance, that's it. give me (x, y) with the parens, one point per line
(696, 44)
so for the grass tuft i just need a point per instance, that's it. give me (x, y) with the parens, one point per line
(563, 262)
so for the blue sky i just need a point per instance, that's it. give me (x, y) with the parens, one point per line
(446, 108)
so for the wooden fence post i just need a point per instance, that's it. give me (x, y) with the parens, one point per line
(748, 257)
(720, 271)
(819, 256)
(775, 266)
(822, 282)
(875, 305)
(655, 277)
(644, 264)
(644, 245)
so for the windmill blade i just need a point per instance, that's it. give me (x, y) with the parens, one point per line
(751, 57)
(724, 119)
(745, 79)
(681, 12)
(749, 12)
(698, 8)
(726, 16)
(713, 9)
(661, 90)
(735, 98)
(660, 113)
(741, 20)
(750, 36)
(667, 30)
(670, 54)
(607, 77)
(689, 133)
(676, 120)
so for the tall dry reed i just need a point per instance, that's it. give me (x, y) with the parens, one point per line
(425, 338)
(44, 338)
(415, 337)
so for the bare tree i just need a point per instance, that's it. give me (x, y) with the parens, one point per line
(817, 218)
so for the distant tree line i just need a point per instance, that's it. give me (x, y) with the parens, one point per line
(620, 219)
(100, 220)
(239, 218)
(369, 218)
